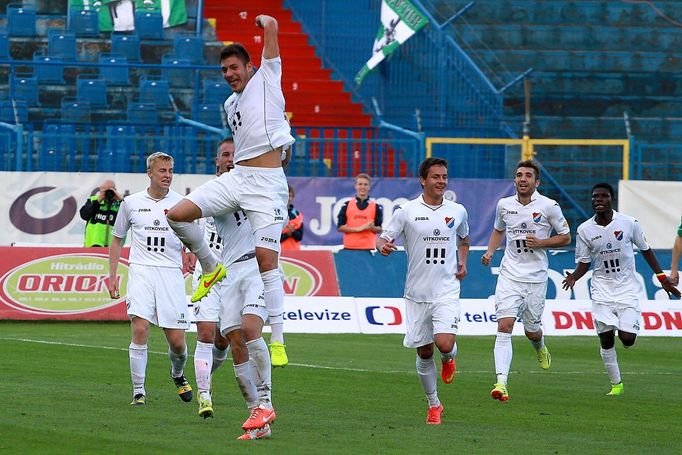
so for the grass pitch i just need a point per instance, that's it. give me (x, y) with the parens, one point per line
(66, 389)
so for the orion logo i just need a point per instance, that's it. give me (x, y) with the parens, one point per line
(618, 235)
(524, 225)
(372, 312)
(537, 217)
(449, 222)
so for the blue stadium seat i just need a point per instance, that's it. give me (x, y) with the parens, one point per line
(91, 90)
(143, 113)
(75, 111)
(149, 25)
(48, 74)
(61, 45)
(190, 48)
(21, 20)
(153, 90)
(25, 89)
(6, 156)
(7, 111)
(84, 22)
(207, 113)
(111, 71)
(4, 45)
(58, 148)
(216, 90)
(115, 155)
(176, 77)
(126, 45)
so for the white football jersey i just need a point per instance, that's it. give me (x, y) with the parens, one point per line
(539, 217)
(153, 241)
(431, 244)
(256, 115)
(236, 234)
(609, 249)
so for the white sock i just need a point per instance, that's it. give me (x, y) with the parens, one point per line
(193, 237)
(178, 362)
(259, 356)
(138, 366)
(203, 362)
(537, 345)
(449, 355)
(219, 357)
(610, 360)
(426, 370)
(274, 303)
(244, 374)
(503, 356)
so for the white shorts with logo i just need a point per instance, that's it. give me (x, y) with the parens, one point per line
(515, 299)
(624, 315)
(157, 294)
(261, 192)
(241, 293)
(425, 319)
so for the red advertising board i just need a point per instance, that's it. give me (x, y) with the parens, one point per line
(71, 283)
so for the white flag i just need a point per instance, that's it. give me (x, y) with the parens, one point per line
(399, 21)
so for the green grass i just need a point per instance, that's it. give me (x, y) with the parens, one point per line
(66, 388)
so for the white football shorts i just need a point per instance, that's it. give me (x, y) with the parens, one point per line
(241, 293)
(514, 299)
(623, 316)
(424, 319)
(157, 294)
(261, 192)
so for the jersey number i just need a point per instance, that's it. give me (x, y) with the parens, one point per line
(521, 247)
(215, 242)
(236, 121)
(240, 219)
(435, 255)
(156, 244)
(612, 265)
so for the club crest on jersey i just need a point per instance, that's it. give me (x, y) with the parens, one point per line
(537, 217)
(450, 222)
(618, 235)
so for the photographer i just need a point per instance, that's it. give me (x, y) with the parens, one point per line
(100, 213)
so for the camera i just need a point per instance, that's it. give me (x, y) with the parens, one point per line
(109, 195)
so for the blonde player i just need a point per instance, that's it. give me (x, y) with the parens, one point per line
(527, 219)
(156, 287)
(606, 240)
(436, 233)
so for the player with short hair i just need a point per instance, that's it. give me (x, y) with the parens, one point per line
(436, 233)
(606, 240)
(257, 185)
(528, 219)
(156, 286)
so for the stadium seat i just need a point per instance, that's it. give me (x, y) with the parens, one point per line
(207, 113)
(61, 45)
(21, 20)
(126, 45)
(215, 90)
(143, 113)
(149, 25)
(91, 90)
(47, 74)
(6, 145)
(58, 148)
(74, 111)
(4, 45)
(190, 48)
(176, 77)
(25, 88)
(84, 22)
(8, 114)
(115, 155)
(154, 90)
(112, 70)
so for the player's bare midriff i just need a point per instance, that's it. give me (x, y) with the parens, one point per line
(273, 158)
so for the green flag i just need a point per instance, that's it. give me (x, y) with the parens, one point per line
(119, 15)
(399, 21)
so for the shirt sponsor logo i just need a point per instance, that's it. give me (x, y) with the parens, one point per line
(144, 210)
(595, 238)
(421, 218)
(618, 235)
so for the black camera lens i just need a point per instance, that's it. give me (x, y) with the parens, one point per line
(109, 194)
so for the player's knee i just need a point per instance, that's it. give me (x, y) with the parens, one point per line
(221, 343)
(425, 352)
(628, 339)
(205, 334)
(267, 260)
(607, 340)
